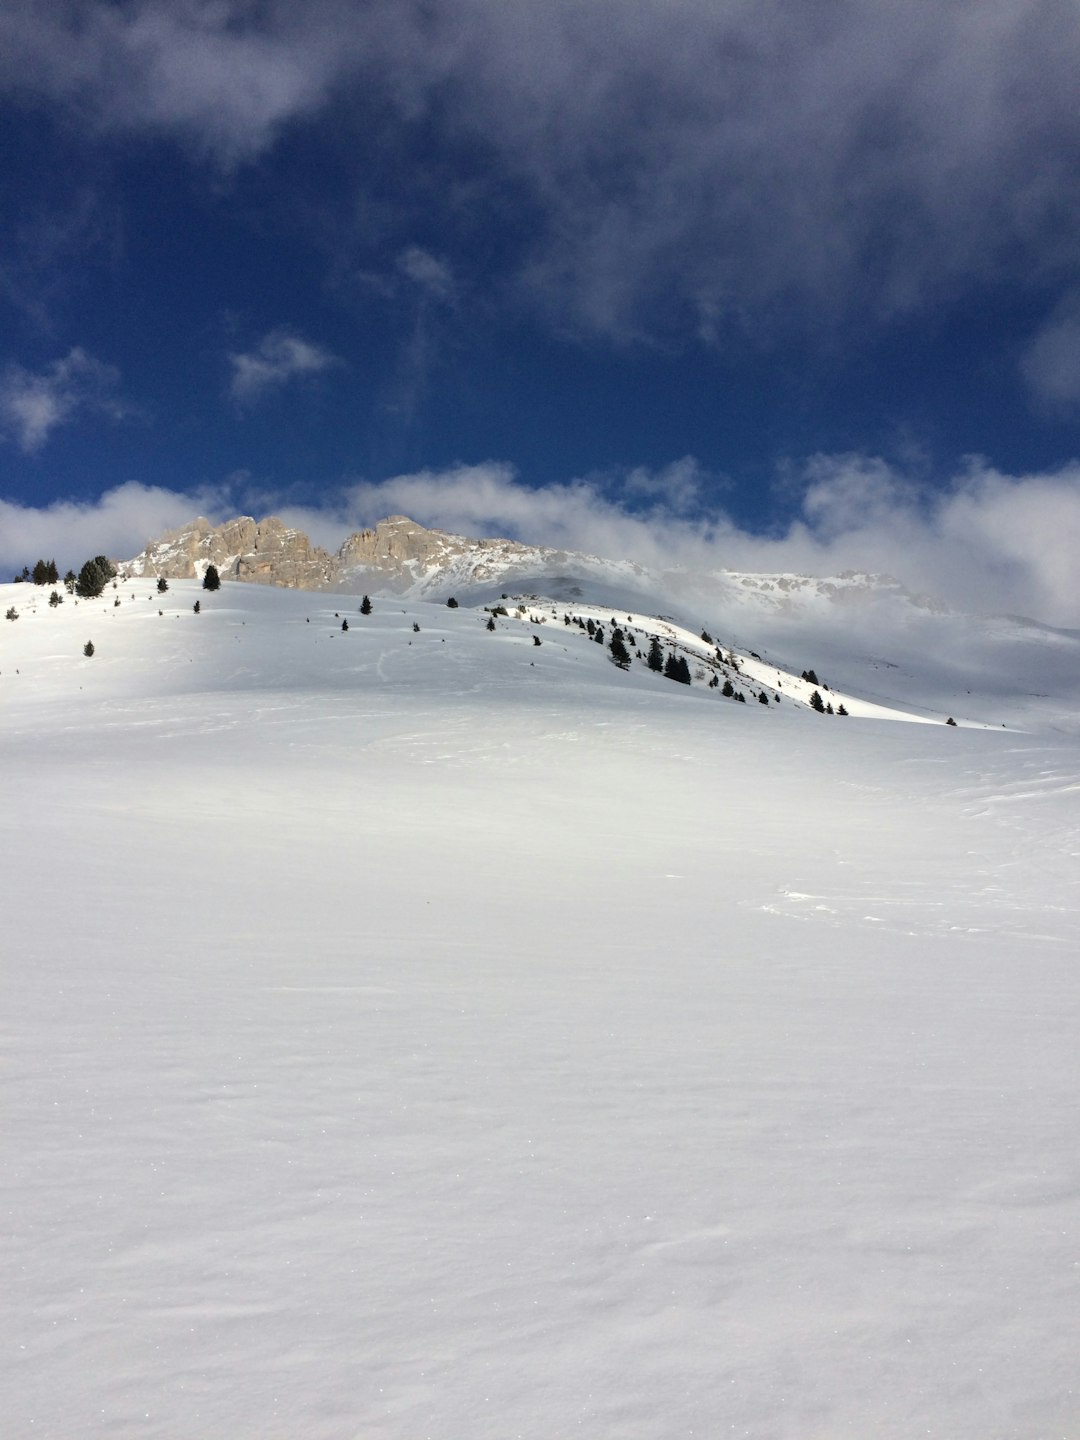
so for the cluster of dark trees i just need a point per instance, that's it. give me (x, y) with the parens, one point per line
(823, 708)
(43, 573)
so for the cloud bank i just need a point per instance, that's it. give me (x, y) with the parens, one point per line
(990, 542)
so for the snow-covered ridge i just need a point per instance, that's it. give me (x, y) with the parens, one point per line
(871, 636)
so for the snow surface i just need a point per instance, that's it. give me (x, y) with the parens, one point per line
(433, 1034)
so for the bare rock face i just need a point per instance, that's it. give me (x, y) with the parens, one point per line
(396, 556)
(266, 552)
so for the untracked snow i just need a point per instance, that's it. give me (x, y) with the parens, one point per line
(431, 1033)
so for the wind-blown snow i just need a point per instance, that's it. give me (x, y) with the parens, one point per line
(434, 1034)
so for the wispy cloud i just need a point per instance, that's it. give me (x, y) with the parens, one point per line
(279, 357)
(1051, 363)
(701, 168)
(34, 404)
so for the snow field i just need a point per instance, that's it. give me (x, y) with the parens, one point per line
(433, 1034)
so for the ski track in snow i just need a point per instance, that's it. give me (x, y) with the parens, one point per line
(437, 1035)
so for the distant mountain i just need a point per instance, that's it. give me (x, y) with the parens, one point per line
(867, 632)
(399, 556)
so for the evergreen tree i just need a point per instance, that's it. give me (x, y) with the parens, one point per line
(92, 580)
(729, 690)
(344, 625)
(590, 626)
(40, 572)
(840, 710)
(11, 613)
(763, 699)
(950, 721)
(619, 653)
(416, 628)
(491, 622)
(88, 649)
(211, 580)
(162, 585)
(56, 599)
(69, 581)
(682, 670)
(365, 606)
(451, 604)
(655, 657)
(197, 607)
(816, 703)
(52, 574)
(536, 639)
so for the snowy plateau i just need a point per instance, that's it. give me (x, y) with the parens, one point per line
(416, 1030)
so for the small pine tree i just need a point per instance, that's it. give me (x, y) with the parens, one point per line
(491, 623)
(416, 628)
(197, 607)
(706, 637)
(763, 699)
(365, 606)
(816, 703)
(162, 585)
(344, 625)
(590, 626)
(655, 657)
(536, 639)
(729, 690)
(950, 721)
(52, 574)
(69, 581)
(88, 649)
(840, 710)
(56, 599)
(211, 580)
(451, 604)
(11, 613)
(598, 635)
(40, 572)
(619, 654)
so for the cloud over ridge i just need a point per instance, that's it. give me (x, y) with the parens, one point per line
(991, 542)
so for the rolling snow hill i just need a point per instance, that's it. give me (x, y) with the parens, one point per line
(416, 1030)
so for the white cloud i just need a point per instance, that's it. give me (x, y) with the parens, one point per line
(34, 404)
(117, 524)
(991, 542)
(278, 358)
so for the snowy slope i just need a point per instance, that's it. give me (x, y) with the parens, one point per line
(432, 1033)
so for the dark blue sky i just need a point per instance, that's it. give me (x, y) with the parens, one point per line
(267, 256)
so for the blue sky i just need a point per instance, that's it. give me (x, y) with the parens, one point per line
(789, 285)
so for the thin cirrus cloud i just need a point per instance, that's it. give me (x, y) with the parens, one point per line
(989, 542)
(707, 168)
(35, 403)
(280, 357)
